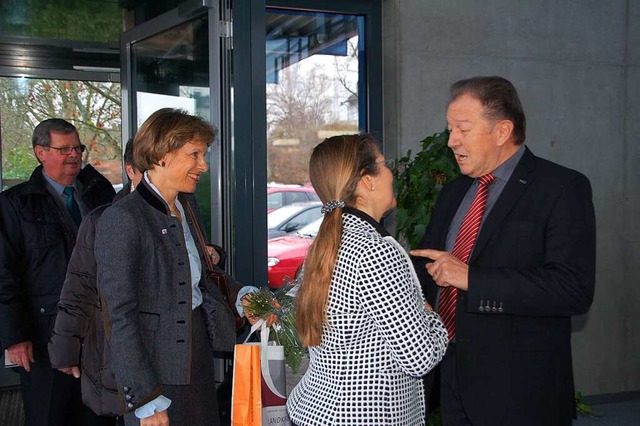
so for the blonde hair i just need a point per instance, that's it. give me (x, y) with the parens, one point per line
(167, 130)
(335, 168)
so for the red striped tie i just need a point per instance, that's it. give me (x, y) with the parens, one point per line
(462, 250)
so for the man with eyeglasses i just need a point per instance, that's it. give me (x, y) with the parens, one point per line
(38, 226)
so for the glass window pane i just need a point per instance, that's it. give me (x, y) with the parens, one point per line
(313, 80)
(172, 70)
(93, 107)
(79, 20)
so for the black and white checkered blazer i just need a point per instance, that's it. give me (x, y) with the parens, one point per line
(379, 340)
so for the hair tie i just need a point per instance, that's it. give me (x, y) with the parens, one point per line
(331, 206)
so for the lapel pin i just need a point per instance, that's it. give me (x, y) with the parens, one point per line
(522, 181)
(164, 231)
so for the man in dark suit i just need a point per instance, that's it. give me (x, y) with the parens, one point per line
(38, 226)
(529, 268)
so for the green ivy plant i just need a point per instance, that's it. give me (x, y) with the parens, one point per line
(418, 181)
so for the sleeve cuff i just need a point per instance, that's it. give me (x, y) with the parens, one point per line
(243, 292)
(161, 403)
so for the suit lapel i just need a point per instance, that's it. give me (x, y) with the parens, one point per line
(521, 178)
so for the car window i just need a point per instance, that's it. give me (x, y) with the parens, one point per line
(295, 197)
(313, 196)
(279, 216)
(274, 200)
(308, 216)
(311, 230)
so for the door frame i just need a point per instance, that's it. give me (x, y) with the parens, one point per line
(249, 137)
(175, 17)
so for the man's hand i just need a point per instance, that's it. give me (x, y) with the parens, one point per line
(160, 418)
(446, 269)
(21, 354)
(73, 371)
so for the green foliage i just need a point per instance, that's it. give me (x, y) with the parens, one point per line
(84, 20)
(203, 196)
(435, 418)
(418, 181)
(584, 409)
(263, 303)
(18, 163)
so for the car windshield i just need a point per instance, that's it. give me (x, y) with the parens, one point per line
(276, 217)
(311, 230)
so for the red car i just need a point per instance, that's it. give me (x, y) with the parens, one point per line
(285, 255)
(282, 195)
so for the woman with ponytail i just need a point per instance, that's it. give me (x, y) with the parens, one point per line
(360, 309)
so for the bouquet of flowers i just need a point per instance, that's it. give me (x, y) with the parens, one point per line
(263, 303)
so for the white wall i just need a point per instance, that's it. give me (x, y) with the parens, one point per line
(576, 65)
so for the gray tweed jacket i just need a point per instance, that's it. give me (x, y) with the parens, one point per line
(144, 278)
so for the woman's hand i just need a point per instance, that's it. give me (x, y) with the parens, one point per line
(213, 254)
(269, 320)
(160, 418)
(72, 371)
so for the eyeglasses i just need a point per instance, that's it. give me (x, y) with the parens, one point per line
(66, 150)
(389, 163)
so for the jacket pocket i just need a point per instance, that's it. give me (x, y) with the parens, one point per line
(41, 230)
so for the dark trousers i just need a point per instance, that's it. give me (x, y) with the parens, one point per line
(52, 398)
(431, 384)
(453, 413)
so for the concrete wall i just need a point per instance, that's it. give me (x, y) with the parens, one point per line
(576, 65)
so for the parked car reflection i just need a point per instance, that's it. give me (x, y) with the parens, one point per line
(285, 255)
(291, 218)
(282, 195)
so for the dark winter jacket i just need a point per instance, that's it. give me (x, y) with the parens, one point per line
(37, 236)
(79, 327)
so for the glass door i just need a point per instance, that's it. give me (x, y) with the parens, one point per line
(173, 61)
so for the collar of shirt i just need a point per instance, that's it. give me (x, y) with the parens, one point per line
(57, 187)
(504, 171)
(156, 190)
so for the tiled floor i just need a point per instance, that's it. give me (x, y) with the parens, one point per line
(11, 413)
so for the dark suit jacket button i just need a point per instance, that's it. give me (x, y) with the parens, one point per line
(481, 308)
(494, 309)
(42, 310)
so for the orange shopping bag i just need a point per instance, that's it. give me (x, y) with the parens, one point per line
(259, 385)
(246, 405)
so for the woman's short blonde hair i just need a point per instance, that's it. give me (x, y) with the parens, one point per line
(167, 130)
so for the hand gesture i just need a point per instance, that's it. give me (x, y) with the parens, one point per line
(446, 269)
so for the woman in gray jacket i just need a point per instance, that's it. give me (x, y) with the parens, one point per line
(151, 276)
